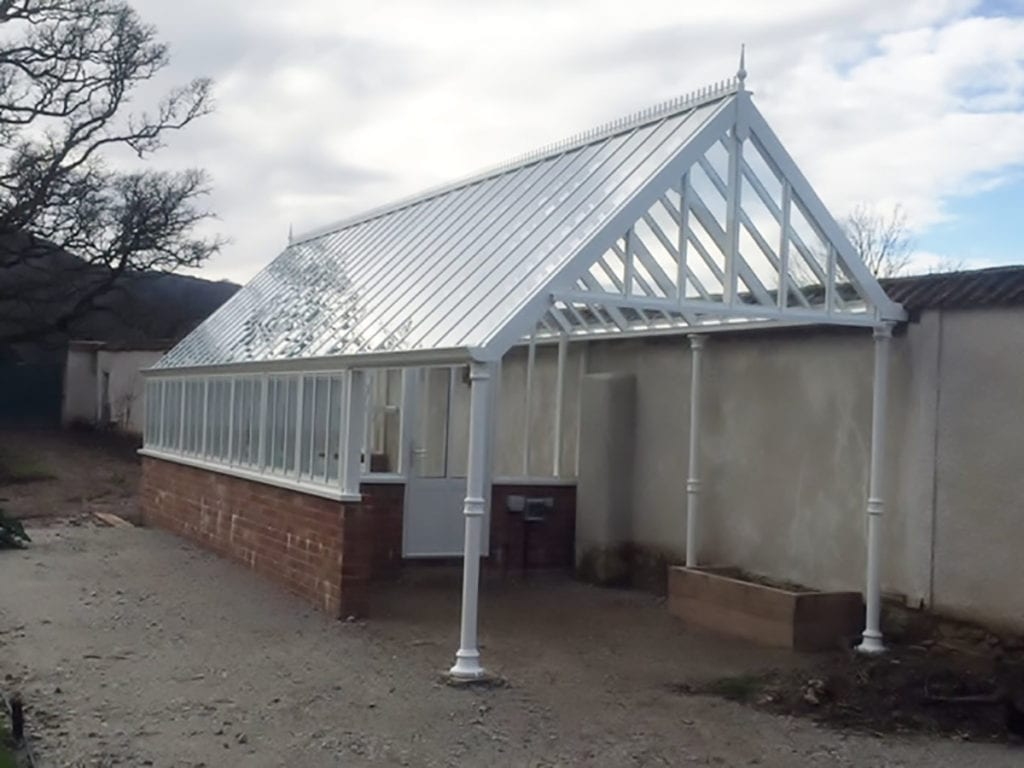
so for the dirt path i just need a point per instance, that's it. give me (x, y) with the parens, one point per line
(134, 648)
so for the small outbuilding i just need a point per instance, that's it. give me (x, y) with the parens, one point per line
(429, 379)
(103, 383)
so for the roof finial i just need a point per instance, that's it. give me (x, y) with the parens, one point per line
(741, 73)
(291, 233)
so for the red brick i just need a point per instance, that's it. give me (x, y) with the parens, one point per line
(251, 523)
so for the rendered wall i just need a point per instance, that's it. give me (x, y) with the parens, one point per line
(785, 448)
(79, 387)
(784, 451)
(979, 494)
(127, 387)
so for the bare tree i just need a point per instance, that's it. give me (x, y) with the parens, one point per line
(883, 241)
(69, 70)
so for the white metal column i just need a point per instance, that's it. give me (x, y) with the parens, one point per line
(693, 475)
(467, 659)
(872, 638)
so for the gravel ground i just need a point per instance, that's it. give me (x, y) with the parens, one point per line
(134, 648)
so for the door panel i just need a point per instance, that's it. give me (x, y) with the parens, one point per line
(433, 521)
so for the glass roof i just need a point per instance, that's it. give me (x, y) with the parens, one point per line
(690, 215)
(446, 270)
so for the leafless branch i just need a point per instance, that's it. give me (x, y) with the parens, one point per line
(68, 71)
(883, 241)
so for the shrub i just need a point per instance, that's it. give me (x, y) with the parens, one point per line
(12, 533)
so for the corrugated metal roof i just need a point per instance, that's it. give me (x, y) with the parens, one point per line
(448, 269)
(997, 286)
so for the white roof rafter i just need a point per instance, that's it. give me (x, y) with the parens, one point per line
(690, 215)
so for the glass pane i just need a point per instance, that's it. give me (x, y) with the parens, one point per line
(458, 425)
(291, 415)
(172, 415)
(152, 414)
(386, 420)
(334, 427)
(217, 419)
(433, 423)
(319, 447)
(306, 432)
(276, 404)
(238, 419)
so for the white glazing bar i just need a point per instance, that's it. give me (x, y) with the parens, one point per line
(628, 259)
(531, 357)
(206, 415)
(610, 273)
(162, 420)
(684, 234)
(467, 658)
(346, 387)
(406, 425)
(369, 408)
(180, 437)
(830, 279)
(298, 427)
(732, 220)
(693, 472)
(231, 421)
(872, 638)
(355, 417)
(784, 247)
(563, 347)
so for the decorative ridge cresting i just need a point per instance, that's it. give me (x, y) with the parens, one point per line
(689, 101)
(692, 100)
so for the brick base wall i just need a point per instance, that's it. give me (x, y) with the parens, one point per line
(305, 543)
(520, 545)
(329, 551)
(383, 504)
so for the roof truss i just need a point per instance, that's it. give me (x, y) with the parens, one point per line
(729, 232)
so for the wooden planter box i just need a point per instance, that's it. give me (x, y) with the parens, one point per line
(714, 598)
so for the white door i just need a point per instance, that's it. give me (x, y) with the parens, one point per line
(433, 524)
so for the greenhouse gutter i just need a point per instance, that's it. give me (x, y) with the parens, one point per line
(404, 359)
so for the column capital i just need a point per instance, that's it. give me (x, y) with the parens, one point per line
(884, 330)
(697, 340)
(479, 371)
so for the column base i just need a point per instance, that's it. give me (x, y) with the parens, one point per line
(467, 666)
(871, 643)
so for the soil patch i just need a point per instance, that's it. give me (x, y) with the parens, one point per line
(50, 474)
(909, 689)
(731, 572)
(16, 469)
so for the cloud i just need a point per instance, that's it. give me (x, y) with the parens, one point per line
(325, 108)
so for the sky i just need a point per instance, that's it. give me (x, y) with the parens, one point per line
(326, 108)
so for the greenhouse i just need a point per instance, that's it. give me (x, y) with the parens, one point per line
(412, 382)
